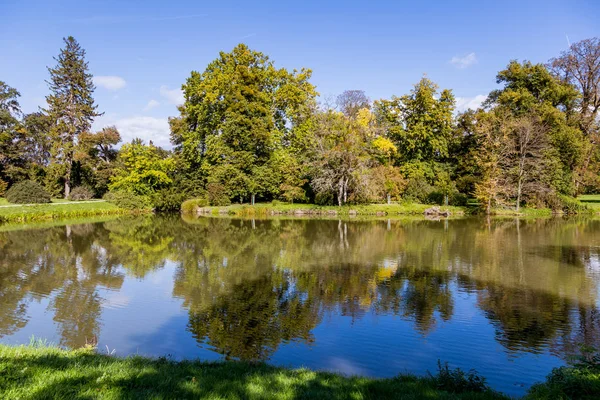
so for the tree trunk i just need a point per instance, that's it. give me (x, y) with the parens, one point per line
(340, 191)
(489, 206)
(446, 200)
(253, 197)
(519, 191)
(68, 179)
(346, 190)
(389, 199)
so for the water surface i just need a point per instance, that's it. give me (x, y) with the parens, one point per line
(510, 298)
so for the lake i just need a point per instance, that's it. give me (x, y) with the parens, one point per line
(511, 298)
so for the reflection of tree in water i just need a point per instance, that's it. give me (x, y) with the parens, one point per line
(69, 264)
(359, 267)
(524, 319)
(255, 318)
(251, 285)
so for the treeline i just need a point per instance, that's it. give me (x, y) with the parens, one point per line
(249, 131)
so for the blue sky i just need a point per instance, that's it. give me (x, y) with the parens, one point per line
(142, 51)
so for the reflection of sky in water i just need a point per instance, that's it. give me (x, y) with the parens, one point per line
(143, 316)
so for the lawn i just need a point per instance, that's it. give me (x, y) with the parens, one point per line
(39, 371)
(308, 209)
(30, 372)
(54, 210)
(591, 200)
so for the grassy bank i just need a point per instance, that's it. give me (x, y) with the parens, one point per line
(39, 372)
(28, 372)
(264, 209)
(58, 209)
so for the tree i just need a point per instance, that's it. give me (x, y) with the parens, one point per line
(526, 150)
(341, 156)
(419, 123)
(141, 169)
(10, 129)
(350, 102)
(580, 67)
(531, 91)
(489, 154)
(237, 113)
(70, 106)
(95, 158)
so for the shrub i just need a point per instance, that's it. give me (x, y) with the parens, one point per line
(579, 381)
(217, 195)
(459, 381)
(3, 186)
(417, 189)
(27, 192)
(571, 205)
(190, 206)
(81, 193)
(167, 200)
(459, 199)
(561, 202)
(435, 197)
(127, 200)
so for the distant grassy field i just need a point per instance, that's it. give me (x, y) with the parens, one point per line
(591, 200)
(57, 209)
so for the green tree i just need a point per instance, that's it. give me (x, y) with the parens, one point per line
(95, 158)
(237, 113)
(70, 106)
(531, 92)
(579, 66)
(11, 132)
(141, 169)
(420, 123)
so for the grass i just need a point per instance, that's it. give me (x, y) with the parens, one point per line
(59, 209)
(41, 371)
(591, 200)
(261, 209)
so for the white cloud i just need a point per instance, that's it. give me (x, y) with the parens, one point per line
(145, 128)
(151, 104)
(110, 82)
(464, 103)
(464, 62)
(174, 96)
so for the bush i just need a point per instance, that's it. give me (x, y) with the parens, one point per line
(435, 197)
(167, 200)
(217, 195)
(27, 192)
(127, 200)
(459, 381)
(579, 381)
(81, 193)
(459, 199)
(418, 190)
(190, 206)
(3, 186)
(566, 204)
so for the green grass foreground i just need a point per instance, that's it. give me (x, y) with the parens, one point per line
(263, 209)
(41, 372)
(58, 209)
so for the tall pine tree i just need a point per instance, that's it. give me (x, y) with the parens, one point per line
(70, 106)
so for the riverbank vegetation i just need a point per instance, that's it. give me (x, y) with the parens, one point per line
(250, 131)
(59, 210)
(40, 371)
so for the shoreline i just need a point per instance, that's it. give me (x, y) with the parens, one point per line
(42, 370)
